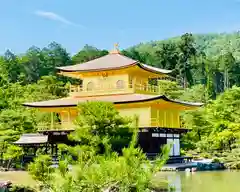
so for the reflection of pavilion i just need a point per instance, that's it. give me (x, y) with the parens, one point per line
(175, 181)
(131, 86)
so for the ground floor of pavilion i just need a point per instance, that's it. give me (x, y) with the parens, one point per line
(149, 139)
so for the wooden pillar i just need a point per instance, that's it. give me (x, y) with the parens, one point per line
(69, 116)
(52, 147)
(22, 161)
(46, 148)
(35, 150)
(52, 120)
(165, 119)
(134, 83)
(56, 148)
(70, 88)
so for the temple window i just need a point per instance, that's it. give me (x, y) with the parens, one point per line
(120, 84)
(90, 86)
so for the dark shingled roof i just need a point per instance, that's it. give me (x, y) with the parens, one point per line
(117, 99)
(108, 62)
(32, 139)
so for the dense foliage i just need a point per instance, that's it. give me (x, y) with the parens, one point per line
(28, 77)
(216, 128)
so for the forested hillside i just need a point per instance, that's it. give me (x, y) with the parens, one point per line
(212, 60)
(211, 44)
(204, 66)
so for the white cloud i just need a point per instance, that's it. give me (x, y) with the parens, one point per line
(55, 17)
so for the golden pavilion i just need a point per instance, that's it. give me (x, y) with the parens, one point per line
(127, 84)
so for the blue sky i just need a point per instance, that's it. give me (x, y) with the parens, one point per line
(74, 23)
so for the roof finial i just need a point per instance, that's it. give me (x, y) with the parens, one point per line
(116, 49)
(116, 46)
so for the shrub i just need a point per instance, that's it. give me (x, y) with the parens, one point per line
(216, 160)
(21, 188)
(41, 168)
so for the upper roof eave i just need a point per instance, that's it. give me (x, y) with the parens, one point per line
(154, 69)
(99, 65)
(95, 70)
(142, 66)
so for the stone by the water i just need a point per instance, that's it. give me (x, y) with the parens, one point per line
(5, 184)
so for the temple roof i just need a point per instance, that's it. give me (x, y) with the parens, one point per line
(116, 99)
(32, 139)
(109, 62)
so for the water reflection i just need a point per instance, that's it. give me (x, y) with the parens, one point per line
(214, 181)
(175, 181)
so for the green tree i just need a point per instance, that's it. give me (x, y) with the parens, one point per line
(134, 54)
(54, 56)
(14, 123)
(41, 169)
(234, 74)
(11, 66)
(98, 120)
(196, 93)
(227, 62)
(52, 85)
(13, 152)
(170, 89)
(232, 159)
(88, 53)
(187, 51)
(167, 56)
(33, 62)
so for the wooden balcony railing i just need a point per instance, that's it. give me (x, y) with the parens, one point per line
(156, 122)
(56, 126)
(78, 90)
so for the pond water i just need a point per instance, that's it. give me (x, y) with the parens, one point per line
(214, 181)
